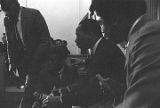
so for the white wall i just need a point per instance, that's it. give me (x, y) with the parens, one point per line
(23, 2)
(84, 7)
(62, 17)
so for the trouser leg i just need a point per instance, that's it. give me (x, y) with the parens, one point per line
(3, 71)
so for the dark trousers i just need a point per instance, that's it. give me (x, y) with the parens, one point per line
(28, 99)
(3, 71)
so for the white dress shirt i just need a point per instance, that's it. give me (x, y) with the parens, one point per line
(2, 28)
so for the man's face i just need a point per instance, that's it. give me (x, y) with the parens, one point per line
(83, 40)
(10, 8)
(55, 62)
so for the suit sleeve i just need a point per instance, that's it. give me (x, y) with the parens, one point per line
(69, 92)
(144, 68)
(44, 39)
(110, 64)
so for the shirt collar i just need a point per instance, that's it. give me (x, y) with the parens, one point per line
(95, 45)
(19, 15)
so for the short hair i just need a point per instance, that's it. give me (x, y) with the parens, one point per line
(107, 9)
(60, 49)
(5, 4)
(91, 25)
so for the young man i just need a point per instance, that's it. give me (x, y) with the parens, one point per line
(106, 60)
(119, 15)
(142, 58)
(28, 40)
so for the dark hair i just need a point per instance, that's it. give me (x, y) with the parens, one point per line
(90, 25)
(109, 9)
(5, 4)
(60, 49)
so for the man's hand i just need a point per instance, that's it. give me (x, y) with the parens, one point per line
(12, 69)
(36, 104)
(105, 84)
(111, 87)
(102, 81)
(52, 101)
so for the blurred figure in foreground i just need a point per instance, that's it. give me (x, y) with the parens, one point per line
(142, 58)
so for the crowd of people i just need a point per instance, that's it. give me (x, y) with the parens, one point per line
(108, 78)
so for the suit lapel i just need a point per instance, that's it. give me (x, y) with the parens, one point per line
(99, 46)
(23, 23)
(139, 23)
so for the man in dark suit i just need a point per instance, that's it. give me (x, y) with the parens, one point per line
(106, 61)
(28, 41)
(142, 56)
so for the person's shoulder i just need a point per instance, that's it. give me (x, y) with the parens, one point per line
(31, 10)
(108, 43)
(112, 48)
(150, 26)
(145, 25)
(104, 42)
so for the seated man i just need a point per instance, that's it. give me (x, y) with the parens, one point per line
(58, 81)
(105, 66)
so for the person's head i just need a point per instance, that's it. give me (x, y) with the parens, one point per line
(58, 54)
(10, 7)
(119, 15)
(87, 33)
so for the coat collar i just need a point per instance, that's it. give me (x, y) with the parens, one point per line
(100, 45)
(96, 45)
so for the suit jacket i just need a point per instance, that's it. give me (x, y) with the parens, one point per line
(36, 39)
(68, 78)
(143, 65)
(108, 61)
